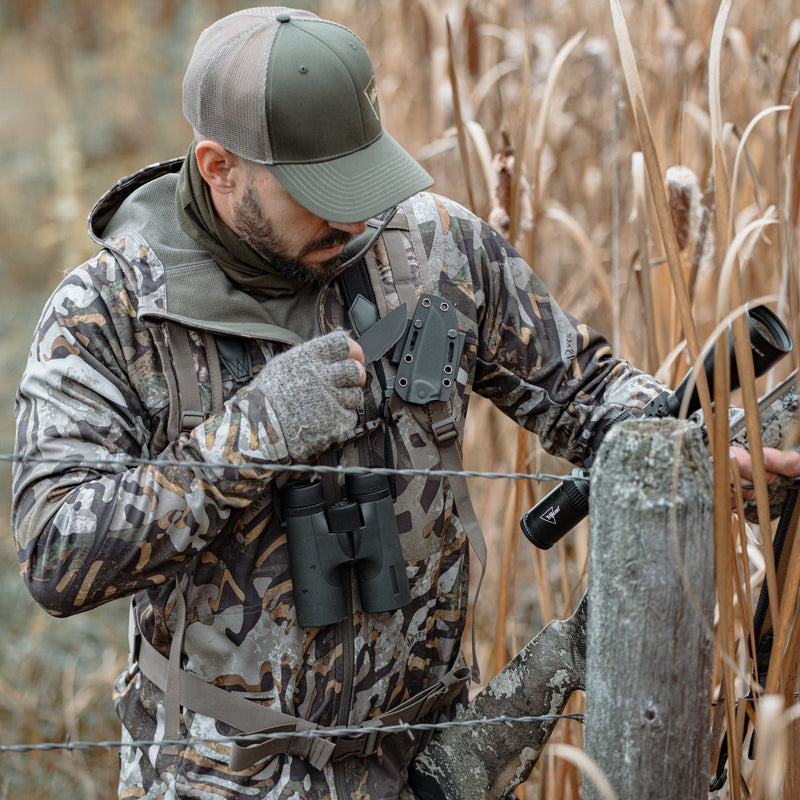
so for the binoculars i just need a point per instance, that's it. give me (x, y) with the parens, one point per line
(323, 540)
(566, 505)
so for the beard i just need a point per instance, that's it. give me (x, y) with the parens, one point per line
(259, 233)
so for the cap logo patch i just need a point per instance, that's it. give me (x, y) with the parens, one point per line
(371, 93)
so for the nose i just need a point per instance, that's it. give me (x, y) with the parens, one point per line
(353, 228)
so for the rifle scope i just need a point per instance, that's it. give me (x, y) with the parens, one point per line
(566, 505)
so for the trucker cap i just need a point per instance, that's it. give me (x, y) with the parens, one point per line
(296, 93)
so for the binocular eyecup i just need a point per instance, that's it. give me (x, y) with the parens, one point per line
(359, 531)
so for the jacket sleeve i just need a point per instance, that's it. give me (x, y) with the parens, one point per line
(552, 374)
(90, 523)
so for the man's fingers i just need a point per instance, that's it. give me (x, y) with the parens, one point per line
(357, 354)
(776, 462)
(782, 462)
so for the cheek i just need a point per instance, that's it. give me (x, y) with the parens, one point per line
(297, 227)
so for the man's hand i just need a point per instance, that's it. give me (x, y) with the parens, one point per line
(314, 390)
(777, 463)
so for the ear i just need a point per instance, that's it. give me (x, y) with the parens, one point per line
(219, 167)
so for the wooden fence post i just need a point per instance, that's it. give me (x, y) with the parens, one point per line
(651, 593)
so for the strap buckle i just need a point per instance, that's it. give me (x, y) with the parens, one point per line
(317, 750)
(191, 419)
(444, 431)
(359, 744)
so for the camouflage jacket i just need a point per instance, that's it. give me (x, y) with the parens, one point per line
(144, 514)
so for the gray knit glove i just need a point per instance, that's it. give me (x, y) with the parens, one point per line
(313, 390)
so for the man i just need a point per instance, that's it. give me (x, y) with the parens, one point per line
(143, 477)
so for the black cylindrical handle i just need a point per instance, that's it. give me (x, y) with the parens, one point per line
(559, 511)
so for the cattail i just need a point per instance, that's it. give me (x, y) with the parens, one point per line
(683, 196)
(473, 42)
(503, 168)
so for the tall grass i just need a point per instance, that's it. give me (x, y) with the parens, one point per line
(562, 132)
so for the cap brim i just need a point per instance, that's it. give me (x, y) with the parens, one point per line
(355, 187)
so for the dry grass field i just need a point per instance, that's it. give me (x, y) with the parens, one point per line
(541, 139)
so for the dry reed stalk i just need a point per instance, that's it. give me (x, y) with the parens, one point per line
(782, 623)
(491, 77)
(787, 168)
(521, 133)
(705, 237)
(616, 321)
(741, 153)
(744, 584)
(791, 664)
(640, 215)
(458, 118)
(730, 294)
(721, 187)
(486, 159)
(789, 283)
(556, 213)
(541, 123)
(569, 782)
(771, 750)
(651, 160)
(726, 666)
(729, 288)
(591, 770)
(501, 653)
(417, 94)
(724, 557)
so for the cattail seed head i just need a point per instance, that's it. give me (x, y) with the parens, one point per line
(683, 194)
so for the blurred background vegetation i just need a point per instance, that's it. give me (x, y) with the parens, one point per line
(91, 92)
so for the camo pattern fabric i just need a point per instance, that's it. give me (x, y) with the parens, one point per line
(105, 507)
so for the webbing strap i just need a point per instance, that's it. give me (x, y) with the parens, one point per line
(190, 407)
(214, 371)
(250, 717)
(366, 741)
(401, 269)
(445, 436)
(182, 688)
(172, 691)
(188, 388)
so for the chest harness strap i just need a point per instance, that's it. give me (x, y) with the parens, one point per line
(183, 689)
(435, 416)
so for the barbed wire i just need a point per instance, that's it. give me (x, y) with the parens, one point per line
(401, 727)
(76, 462)
(320, 733)
(112, 464)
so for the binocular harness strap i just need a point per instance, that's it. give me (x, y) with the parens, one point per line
(186, 408)
(249, 717)
(445, 436)
(436, 416)
(185, 690)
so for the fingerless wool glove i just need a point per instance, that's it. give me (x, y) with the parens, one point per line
(313, 390)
